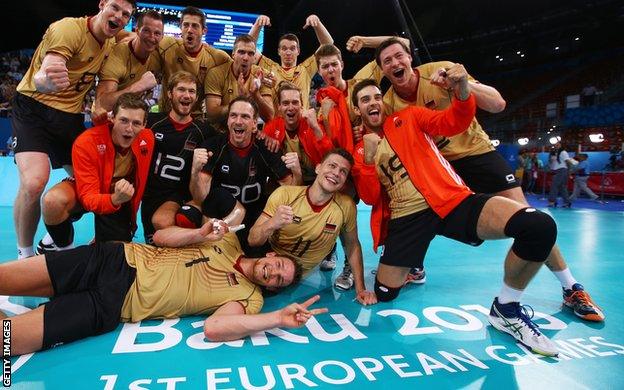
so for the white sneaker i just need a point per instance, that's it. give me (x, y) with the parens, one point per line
(344, 281)
(329, 262)
(512, 318)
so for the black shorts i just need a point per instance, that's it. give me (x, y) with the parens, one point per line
(409, 237)
(90, 285)
(486, 173)
(40, 128)
(150, 204)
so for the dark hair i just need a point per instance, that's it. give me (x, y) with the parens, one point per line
(179, 76)
(389, 42)
(245, 38)
(194, 11)
(148, 14)
(287, 86)
(130, 101)
(132, 3)
(340, 152)
(360, 85)
(289, 37)
(245, 99)
(326, 51)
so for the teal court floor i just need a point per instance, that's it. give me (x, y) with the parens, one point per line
(432, 336)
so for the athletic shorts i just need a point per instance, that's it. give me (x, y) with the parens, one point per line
(149, 205)
(409, 237)
(90, 285)
(40, 128)
(486, 173)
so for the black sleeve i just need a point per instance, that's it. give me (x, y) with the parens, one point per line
(273, 161)
(215, 145)
(218, 203)
(207, 129)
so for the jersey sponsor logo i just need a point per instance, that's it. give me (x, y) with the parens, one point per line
(231, 279)
(225, 168)
(101, 148)
(158, 136)
(330, 228)
(510, 178)
(142, 143)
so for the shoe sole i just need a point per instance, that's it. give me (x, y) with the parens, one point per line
(494, 323)
(587, 317)
(417, 281)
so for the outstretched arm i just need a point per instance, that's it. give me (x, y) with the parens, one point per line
(358, 42)
(260, 22)
(230, 322)
(175, 236)
(354, 256)
(323, 36)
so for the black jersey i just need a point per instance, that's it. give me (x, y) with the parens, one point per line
(244, 172)
(170, 170)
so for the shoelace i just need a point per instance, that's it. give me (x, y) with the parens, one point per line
(346, 272)
(582, 297)
(522, 312)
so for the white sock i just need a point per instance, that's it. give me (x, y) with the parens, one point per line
(565, 277)
(24, 252)
(47, 239)
(509, 294)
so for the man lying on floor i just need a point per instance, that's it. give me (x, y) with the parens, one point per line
(92, 288)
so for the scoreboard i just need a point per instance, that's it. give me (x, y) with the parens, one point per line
(223, 26)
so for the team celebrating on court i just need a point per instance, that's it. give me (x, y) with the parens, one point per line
(231, 210)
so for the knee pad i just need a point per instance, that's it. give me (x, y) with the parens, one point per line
(385, 293)
(534, 234)
(188, 217)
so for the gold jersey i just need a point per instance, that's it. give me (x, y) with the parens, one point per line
(222, 82)
(72, 39)
(174, 282)
(174, 57)
(125, 68)
(474, 141)
(294, 145)
(405, 199)
(315, 229)
(300, 75)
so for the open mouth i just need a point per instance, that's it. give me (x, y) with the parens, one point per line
(398, 73)
(291, 115)
(265, 273)
(239, 131)
(127, 137)
(112, 25)
(332, 180)
(189, 39)
(185, 104)
(374, 113)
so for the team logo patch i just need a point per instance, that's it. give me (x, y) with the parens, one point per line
(190, 145)
(231, 278)
(225, 168)
(142, 143)
(158, 136)
(101, 148)
(510, 178)
(296, 219)
(330, 228)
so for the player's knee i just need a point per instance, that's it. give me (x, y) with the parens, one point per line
(534, 234)
(164, 220)
(188, 217)
(385, 293)
(33, 186)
